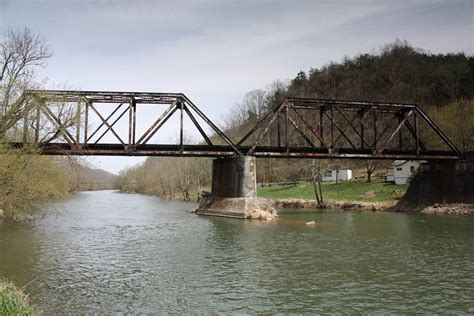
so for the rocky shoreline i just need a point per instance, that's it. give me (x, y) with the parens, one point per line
(388, 206)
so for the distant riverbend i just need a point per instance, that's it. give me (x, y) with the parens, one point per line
(102, 252)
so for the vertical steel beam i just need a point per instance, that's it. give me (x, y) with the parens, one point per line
(37, 127)
(400, 136)
(181, 127)
(332, 128)
(279, 130)
(375, 130)
(287, 141)
(130, 122)
(86, 121)
(25, 127)
(78, 122)
(134, 129)
(321, 129)
(362, 140)
(417, 139)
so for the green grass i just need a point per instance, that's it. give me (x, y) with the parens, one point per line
(13, 301)
(344, 191)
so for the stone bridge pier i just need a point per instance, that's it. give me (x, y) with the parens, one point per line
(234, 191)
(442, 182)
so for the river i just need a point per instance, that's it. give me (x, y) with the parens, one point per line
(106, 252)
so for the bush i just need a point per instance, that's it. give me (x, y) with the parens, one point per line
(27, 180)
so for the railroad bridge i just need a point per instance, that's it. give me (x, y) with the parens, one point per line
(64, 122)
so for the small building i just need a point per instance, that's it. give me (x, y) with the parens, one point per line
(403, 171)
(332, 175)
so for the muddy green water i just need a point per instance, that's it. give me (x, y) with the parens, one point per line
(105, 252)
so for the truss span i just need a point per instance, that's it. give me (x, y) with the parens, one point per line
(298, 128)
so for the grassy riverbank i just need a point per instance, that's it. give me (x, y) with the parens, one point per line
(13, 301)
(351, 191)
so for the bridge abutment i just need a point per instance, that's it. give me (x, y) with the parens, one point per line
(234, 191)
(441, 182)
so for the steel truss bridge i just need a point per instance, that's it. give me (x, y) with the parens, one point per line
(298, 128)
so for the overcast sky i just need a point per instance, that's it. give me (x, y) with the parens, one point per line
(216, 51)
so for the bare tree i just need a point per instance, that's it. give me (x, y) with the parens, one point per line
(317, 170)
(21, 52)
(371, 167)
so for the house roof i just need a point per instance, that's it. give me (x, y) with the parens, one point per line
(398, 163)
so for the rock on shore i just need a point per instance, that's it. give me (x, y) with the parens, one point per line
(361, 206)
(391, 206)
(461, 209)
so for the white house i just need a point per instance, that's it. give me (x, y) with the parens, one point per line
(403, 171)
(344, 175)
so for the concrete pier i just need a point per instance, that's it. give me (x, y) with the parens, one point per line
(442, 182)
(234, 191)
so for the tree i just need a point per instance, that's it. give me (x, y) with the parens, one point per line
(27, 180)
(21, 52)
(457, 121)
(317, 170)
(371, 166)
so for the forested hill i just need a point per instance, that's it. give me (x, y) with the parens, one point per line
(398, 73)
(83, 176)
(441, 83)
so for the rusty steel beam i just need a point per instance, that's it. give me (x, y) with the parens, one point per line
(361, 118)
(341, 131)
(212, 125)
(107, 124)
(331, 113)
(265, 129)
(195, 122)
(224, 151)
(165, 118)
(86, 121)
(413, 132)
(439, 132)
(259, 123)
(405, 118)
(306, 138)
(103, 123)
(55, 120)
(315, 133)
(111, 125)
(157, 124)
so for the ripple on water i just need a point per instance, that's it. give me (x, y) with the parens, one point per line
(112, 253)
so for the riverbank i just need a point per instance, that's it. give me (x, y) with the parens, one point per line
(356, 196)
(348, 195)
(388, 206)
(13, 301)
(346, 191)
(346, 205)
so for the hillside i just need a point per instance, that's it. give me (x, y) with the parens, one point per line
(83, 176)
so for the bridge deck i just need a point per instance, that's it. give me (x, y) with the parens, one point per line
(227, 151)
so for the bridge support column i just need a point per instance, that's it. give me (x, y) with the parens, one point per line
(234, 191)
(442, 182)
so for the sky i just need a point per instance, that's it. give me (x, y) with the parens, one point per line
(216, 51)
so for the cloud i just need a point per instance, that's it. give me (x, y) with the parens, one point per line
(216, 51)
